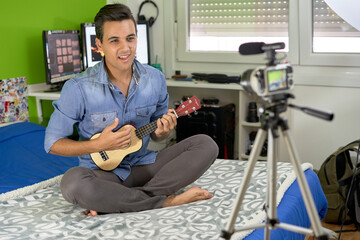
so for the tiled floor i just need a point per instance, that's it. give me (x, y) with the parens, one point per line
(344, 235)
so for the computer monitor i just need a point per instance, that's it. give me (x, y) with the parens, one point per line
(92, 55)
(143, 47)
(62, 56)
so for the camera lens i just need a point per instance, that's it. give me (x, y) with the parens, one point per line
(252, 113)
(245, 81)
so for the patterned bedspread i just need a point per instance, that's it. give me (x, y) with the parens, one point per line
(44, 214)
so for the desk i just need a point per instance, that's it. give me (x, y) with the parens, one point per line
(203, 84)
(231, 92)
(41, 92)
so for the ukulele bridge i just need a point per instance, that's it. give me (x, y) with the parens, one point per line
(103, 155)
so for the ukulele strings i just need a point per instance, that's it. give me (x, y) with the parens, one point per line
(146, 130)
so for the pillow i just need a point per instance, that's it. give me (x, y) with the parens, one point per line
(13, 100)
(8, 123)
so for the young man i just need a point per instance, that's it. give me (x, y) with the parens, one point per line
(117, 91)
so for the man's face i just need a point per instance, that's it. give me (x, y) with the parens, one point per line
(119, 44)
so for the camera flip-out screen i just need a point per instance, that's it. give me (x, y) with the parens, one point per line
(277, 80)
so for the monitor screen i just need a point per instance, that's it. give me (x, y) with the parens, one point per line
(277, 80)
(92, 55)
(143, 47)
(62, 55)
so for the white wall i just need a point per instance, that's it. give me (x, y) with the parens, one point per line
(156, 32)
(316, 139)
(332, 88)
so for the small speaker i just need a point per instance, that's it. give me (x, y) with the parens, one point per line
(216, 121)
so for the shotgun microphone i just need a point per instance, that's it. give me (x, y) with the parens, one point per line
(259, 47)
(251, 48)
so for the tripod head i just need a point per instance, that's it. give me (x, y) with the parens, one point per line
(278, 103)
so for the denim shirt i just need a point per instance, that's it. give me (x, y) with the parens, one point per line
(91, 102)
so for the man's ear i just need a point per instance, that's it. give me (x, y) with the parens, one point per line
(98, 44)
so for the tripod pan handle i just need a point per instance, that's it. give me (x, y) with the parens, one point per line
(326, 115)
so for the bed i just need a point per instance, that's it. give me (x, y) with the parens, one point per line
(24, 161)
(32, 207)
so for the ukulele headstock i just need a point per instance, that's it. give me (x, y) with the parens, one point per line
(189, 106)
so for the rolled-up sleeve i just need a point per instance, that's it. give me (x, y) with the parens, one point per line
(68, 110)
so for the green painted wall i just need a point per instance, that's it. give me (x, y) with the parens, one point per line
(21, 26)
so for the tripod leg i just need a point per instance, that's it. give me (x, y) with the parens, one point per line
(259, 140)
(304, 188)
(272, 157)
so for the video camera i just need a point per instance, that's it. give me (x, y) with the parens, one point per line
(269, 80)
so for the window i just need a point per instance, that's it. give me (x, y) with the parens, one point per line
(331, 33)
(222, 25)
(325, 38)
(314, 34)
(208, 33)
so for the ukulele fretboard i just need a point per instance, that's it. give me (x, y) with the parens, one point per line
(146, 130)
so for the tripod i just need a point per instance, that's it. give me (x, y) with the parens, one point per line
(272, 123)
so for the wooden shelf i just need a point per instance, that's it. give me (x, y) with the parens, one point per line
(250, 124)
(203, 84)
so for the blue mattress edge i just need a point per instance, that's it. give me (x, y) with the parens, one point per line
(301, 217)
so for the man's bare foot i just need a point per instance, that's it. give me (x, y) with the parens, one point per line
(191, 195)
(91, 213)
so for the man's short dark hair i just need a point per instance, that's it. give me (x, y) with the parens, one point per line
(111, 12)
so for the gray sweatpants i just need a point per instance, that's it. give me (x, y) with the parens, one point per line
(147, 186)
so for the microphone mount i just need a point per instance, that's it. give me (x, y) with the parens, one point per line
(260, 47)
(271, 53)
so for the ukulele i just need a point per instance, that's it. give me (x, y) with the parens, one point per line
(109, 160)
